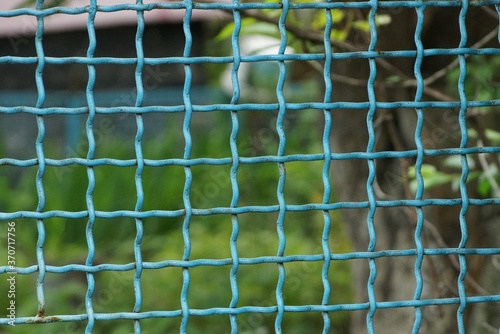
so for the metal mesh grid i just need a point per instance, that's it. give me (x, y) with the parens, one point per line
(235, 160)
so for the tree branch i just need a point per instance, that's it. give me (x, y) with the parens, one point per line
(444, 71)
(486, 170)
(316, 37)
(430, 227)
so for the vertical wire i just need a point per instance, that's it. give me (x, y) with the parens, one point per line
(187, 169)
(41, 160)
(140, 165)
(325, 242)
(418, 167)
(497, 8)
(465, 168)
(372, 169)
(90, 170)
(234, 168)
(281, 166)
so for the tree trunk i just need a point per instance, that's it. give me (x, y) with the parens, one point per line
(395, 226)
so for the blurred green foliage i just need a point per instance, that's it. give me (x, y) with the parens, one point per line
(482, 83)
(65, 189)
(314, 21)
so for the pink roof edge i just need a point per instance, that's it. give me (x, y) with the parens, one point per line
(25, 25)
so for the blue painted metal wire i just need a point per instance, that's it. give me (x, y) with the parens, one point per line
(325, 242)
(140, 167)
(95, 105)
(372, 170)
(41, 162)
(188, 112)
(234, 168)
(90, 169)
(418, 169)
(281, 168)
(465, 170)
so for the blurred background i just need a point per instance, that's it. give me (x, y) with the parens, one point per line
(65, 187)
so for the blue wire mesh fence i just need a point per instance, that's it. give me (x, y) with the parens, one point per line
(104, 280)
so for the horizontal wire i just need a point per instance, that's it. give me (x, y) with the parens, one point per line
(172, 5)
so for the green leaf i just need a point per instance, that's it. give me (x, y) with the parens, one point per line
(455, 161)
(474, 175)
(339, 35)
(411, 172)
(484, 187)
(428, 170)
(438, 179)
(432, 177)
(337, 15)
(380, 20)
(362, 25)
(249, 26)
(226, 32)
(472, 133)
(493, 136)
(319, 21)
(260, 28)
(392, 79)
